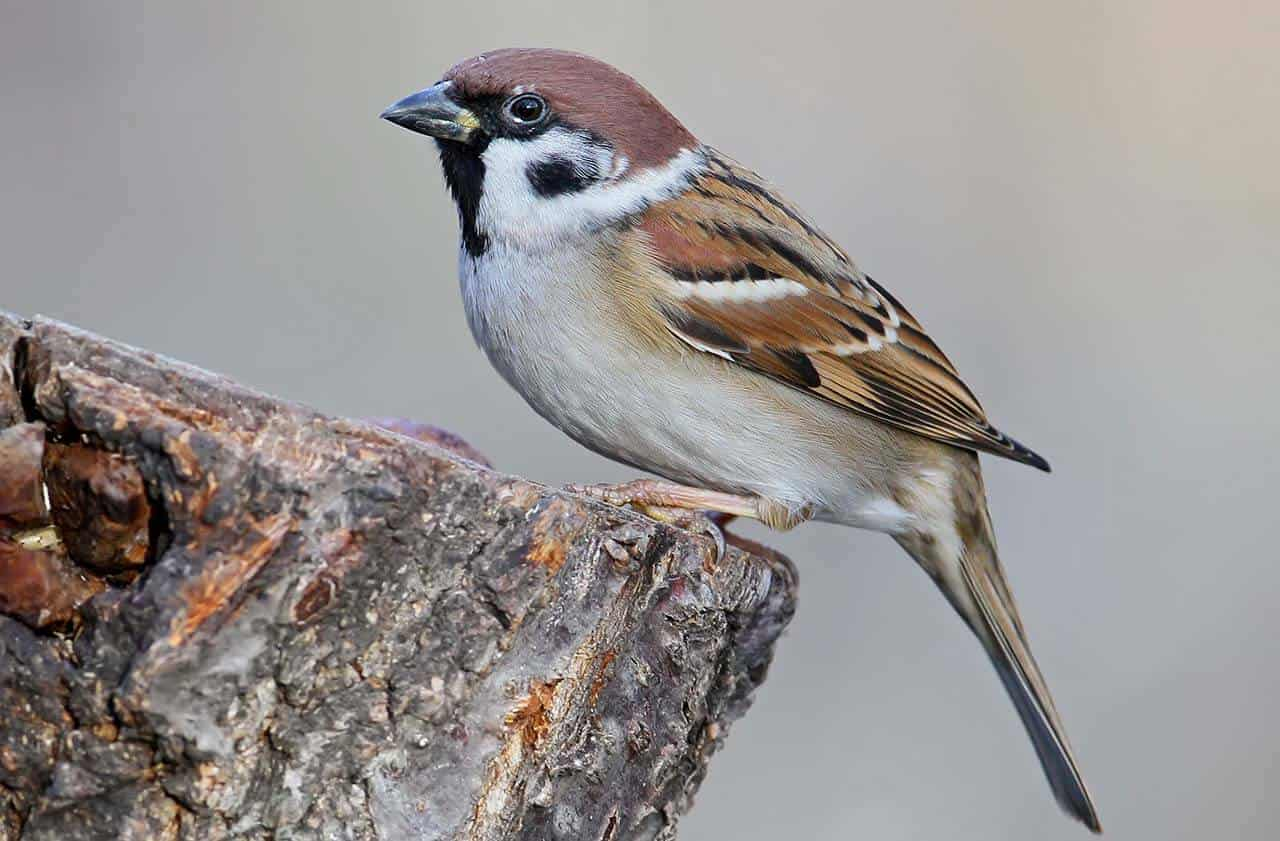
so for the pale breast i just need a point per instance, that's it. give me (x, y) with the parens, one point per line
(688, 416)
(570, 361)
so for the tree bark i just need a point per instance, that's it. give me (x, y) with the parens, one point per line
(228, 616)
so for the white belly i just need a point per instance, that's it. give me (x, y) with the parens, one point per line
(691, 417)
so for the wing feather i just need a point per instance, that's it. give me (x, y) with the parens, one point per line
(752, 281)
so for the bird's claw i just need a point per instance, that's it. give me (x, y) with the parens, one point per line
(698, 522)
(692, 520)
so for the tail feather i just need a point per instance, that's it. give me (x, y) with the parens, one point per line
(968, 570)
(1026, 687)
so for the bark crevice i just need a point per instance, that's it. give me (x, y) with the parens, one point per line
(238, 618)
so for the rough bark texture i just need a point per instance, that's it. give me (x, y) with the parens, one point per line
(226, 616)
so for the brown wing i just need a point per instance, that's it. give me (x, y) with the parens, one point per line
(754, 282)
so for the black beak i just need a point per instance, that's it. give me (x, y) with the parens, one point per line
(433, 112)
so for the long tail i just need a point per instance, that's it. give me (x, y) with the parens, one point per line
(975, 584)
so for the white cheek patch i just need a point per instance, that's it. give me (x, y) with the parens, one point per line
(513, 212)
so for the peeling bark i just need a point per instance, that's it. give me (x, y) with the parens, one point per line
(238, 618)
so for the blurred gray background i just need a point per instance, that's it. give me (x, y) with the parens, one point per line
(1080, 200)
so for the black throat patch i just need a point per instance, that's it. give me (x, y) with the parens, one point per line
(464, 173)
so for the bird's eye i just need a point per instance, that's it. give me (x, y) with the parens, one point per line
(527, 109)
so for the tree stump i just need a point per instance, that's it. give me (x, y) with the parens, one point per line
(228, 616)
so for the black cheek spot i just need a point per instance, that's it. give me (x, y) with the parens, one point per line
(557, 176)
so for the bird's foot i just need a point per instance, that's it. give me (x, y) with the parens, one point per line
(696, 509)
(677, 505)
(697, 522)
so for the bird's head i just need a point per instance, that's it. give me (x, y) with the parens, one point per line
(540, 146)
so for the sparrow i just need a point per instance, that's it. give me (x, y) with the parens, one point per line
(666, 307)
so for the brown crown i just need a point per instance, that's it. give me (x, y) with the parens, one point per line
(583, 91)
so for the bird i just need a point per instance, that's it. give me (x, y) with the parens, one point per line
(666, 307)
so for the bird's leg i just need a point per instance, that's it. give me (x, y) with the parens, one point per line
(646, 493)
(677, 505)
(684, 506)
